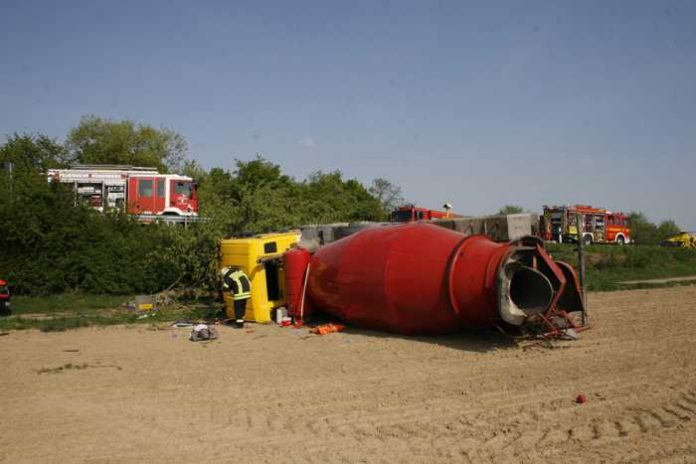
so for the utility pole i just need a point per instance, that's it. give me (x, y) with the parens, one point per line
(579, 223)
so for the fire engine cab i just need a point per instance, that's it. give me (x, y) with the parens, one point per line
(413, 213)
(559, 224)
(135, 190)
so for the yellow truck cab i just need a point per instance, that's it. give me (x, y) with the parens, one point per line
(259, 257)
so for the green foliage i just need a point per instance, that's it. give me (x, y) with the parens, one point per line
(188, 255)
(667, 228)
(328, 198)
(607, 265)
(258, 197)
(387, 194)
(511, 209)
(645, 232)
(31, 153)
(102, 141)
(52, 245)
(66, 302)
(74, 310)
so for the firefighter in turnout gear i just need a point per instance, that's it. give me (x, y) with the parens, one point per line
(237, 282)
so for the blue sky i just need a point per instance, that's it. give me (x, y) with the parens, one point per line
(479, 104)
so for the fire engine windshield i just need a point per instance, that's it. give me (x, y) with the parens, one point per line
(184, 188)
(401, 216)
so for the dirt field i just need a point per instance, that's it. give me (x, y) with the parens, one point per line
(279, 395)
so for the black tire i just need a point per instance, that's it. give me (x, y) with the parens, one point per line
(587, 240)
(620, 240)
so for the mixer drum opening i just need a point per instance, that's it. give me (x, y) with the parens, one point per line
(530, 290)
(524, 291)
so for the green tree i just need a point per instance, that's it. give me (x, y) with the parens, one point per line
(667, 228)
(35, 153)
(511, 209)
(102, 141)
(26, 182)
(328, 198)
(265, 198)
(387, 194)
(645, 232)
(51, 244)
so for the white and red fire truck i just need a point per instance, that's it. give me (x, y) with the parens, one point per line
(135, 190)
(598, 225)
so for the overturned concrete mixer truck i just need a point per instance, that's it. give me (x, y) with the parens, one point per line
(421, 279)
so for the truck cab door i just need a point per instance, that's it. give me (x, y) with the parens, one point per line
(159, 200)
(133, 205)
(141, 195)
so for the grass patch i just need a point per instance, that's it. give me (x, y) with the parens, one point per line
(608, 265)
(72, 302)
(62, 323)
(73, 311)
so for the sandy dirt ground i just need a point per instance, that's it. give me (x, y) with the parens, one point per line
(273, 395)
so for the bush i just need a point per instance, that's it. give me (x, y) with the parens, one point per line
(607, 265)
(49, 244)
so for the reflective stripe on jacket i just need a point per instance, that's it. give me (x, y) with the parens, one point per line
(238, 283)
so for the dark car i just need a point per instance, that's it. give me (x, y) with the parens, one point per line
(4, 299)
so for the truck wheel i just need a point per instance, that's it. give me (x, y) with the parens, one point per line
(620, 240)
(587, 240)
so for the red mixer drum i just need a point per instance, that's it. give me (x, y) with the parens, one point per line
(423, 279)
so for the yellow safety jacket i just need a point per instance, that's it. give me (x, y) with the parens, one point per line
(238, 283)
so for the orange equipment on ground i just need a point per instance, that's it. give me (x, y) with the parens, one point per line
(328, 328)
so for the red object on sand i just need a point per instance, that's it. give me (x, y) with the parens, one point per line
(581, 399)
(328, 328)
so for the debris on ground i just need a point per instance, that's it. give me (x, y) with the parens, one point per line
(203, 332)
(182, 324)
(555, 325)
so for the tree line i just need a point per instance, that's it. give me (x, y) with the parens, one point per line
(50, 244)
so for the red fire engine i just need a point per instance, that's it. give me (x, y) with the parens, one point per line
(135, 190)
(412, 213)
(559, 223)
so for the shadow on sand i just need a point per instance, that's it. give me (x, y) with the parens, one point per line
(472, 340)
